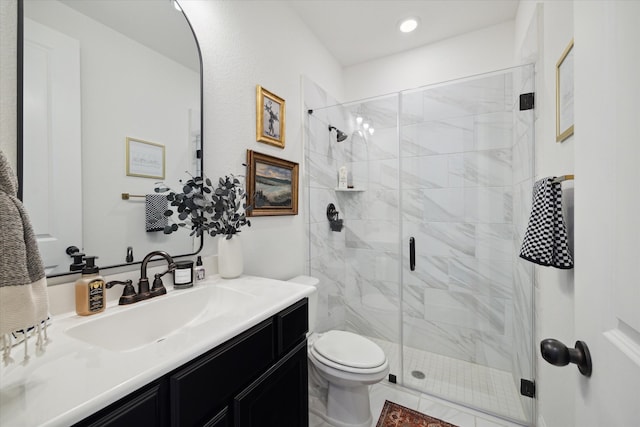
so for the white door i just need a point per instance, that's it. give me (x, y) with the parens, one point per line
(52, 187)
(607, 210)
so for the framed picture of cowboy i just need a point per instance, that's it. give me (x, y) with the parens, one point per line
(270, 117)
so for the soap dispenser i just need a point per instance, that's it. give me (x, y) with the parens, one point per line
(199, 270)
(90, 289)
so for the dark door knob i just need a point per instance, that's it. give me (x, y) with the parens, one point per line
(558, 354)
(71, 250)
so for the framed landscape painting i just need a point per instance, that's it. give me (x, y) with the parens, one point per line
(272, 185)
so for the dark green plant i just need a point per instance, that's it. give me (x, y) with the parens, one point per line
(208, 209)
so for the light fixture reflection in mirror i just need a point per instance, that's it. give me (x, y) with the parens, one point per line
(119, 69)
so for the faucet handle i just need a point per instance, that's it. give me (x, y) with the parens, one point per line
(128, 294)
(158, 288)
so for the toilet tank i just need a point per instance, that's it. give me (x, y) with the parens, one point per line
(313, 298)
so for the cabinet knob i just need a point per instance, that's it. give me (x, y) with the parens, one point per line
(558, 354)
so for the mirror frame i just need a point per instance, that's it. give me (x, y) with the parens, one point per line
(20, 118)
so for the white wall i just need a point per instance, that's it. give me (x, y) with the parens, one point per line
(478, 52)
(245, 43)
(8, 96)
(554, 288)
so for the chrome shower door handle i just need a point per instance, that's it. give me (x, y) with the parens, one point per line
(412, 253)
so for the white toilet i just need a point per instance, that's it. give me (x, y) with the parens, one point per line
(348, 362)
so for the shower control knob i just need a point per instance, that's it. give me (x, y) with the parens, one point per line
(558, 354)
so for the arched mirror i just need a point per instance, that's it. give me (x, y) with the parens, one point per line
(111, 104)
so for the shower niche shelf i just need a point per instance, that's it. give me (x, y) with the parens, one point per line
(350, 190)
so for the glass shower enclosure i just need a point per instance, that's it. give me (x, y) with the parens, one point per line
(426, 263)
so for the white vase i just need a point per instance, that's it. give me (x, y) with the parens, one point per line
(230, 263)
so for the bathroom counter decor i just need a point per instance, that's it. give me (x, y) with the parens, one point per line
(96, 361)
(207, 208)
(217, 210)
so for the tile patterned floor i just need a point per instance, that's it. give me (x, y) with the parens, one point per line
(489, 389)
(460, 416)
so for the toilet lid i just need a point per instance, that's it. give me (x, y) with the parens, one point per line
(349, 349)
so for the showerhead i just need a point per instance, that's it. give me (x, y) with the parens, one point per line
(340, 136)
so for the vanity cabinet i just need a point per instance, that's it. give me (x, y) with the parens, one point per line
(258, 378)
(146, 406)
(275, 398)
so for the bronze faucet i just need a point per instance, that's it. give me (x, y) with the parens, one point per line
(129, 295)
(143, 284)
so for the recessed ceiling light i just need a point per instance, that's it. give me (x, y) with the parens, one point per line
(408, 25)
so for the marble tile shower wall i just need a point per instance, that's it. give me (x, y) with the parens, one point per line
(358, 267)
(326, 248)
(372, 225)
(457, 197)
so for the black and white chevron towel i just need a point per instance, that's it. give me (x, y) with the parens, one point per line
(546, 241)
(156, 205)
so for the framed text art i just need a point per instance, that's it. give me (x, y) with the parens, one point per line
(145, 159)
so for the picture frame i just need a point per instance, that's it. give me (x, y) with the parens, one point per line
(145, 159)
(272, 185)
(564, 94)
(270, 118)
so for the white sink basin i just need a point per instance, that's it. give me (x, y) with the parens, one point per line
(128, 328)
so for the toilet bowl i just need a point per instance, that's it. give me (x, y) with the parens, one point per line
(348, 363)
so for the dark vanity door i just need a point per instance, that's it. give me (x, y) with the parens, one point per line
(279, 397)
(146, 407)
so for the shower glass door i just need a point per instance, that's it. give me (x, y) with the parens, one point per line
(466, 169)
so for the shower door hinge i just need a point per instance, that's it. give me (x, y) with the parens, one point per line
(527, 388)
(527, 101)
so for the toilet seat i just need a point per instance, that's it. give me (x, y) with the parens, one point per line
(349, 352)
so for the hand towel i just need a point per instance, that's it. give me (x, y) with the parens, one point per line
(24, 301)
(156, 205)
(546, 240)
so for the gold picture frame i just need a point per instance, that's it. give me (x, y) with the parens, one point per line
(145, 159)
(270, 117)
(272, 185)
(564, 94)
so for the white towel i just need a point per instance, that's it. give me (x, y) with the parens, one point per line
(23, 286)
(546, 240)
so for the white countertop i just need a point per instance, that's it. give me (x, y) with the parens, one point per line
(73, 379)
